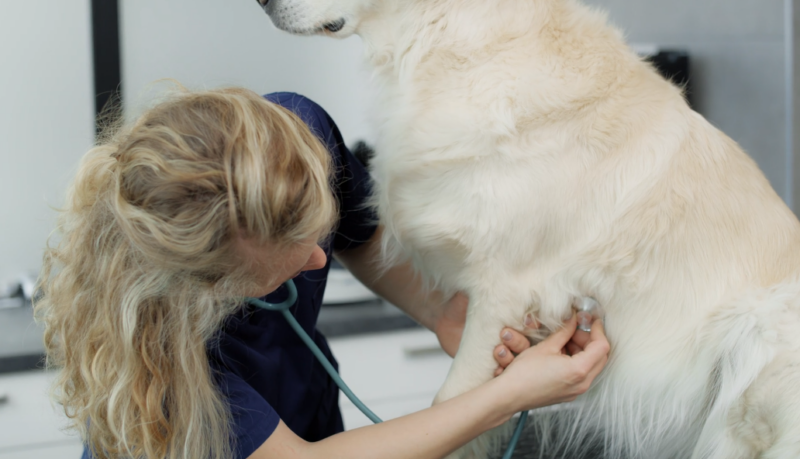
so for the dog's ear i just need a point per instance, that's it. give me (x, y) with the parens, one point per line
(263, 2)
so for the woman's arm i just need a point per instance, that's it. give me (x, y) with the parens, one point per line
(431, 433)
(399, 285)
(402, 287)
(541, 375)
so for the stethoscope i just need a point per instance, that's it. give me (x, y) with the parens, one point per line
(284, 307)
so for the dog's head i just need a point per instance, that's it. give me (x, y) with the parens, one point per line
(338, 18)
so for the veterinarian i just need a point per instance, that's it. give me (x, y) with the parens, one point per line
(213, 196)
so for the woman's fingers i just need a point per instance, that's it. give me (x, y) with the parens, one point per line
(514, 340)
(573, 348)
(589, 349)
(581, 338)
(598, 367)
(530, 322)
(596, 351)
(598, 330)
(559, 339)
(503, 356)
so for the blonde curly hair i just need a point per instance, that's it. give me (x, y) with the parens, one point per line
(145, 270)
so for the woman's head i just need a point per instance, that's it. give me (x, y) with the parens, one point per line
(200, 171)
(166, 224)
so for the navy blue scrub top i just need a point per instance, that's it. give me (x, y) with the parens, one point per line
(261, 366)
(264, 368)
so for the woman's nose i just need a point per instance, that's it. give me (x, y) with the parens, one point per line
(317, 260)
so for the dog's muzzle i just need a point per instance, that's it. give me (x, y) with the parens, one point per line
(332, 26)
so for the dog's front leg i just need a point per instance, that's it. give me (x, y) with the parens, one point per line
(474, 362)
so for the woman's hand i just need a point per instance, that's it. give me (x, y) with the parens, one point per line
(449, 327)
(556, 370)
(539, 376)
(514, 343)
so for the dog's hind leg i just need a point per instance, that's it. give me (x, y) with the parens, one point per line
(787, 447)
(767, 418)
(755, 411)
(764, 423)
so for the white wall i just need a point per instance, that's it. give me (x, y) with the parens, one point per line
(46, 119)
(212, 43)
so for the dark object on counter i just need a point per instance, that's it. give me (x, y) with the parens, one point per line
(21, 344)
(362, 318)
(674, 65)
(15, 363)
(12, 291)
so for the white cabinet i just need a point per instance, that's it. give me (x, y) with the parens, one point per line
(30, 425)
(393, 373)
(66, 451)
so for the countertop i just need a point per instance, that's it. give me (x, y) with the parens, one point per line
(362, 318)
(21, 346)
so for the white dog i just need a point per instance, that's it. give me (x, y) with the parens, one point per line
(528, 157)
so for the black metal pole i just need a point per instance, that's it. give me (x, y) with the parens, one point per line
(106, 52)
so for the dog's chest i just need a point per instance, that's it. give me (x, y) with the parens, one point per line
(456, 212)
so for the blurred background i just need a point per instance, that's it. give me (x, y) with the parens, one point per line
(60, 60)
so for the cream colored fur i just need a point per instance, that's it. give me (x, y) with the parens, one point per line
(528, 157)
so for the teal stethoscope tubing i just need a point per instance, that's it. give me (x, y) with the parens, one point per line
(284, 306)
